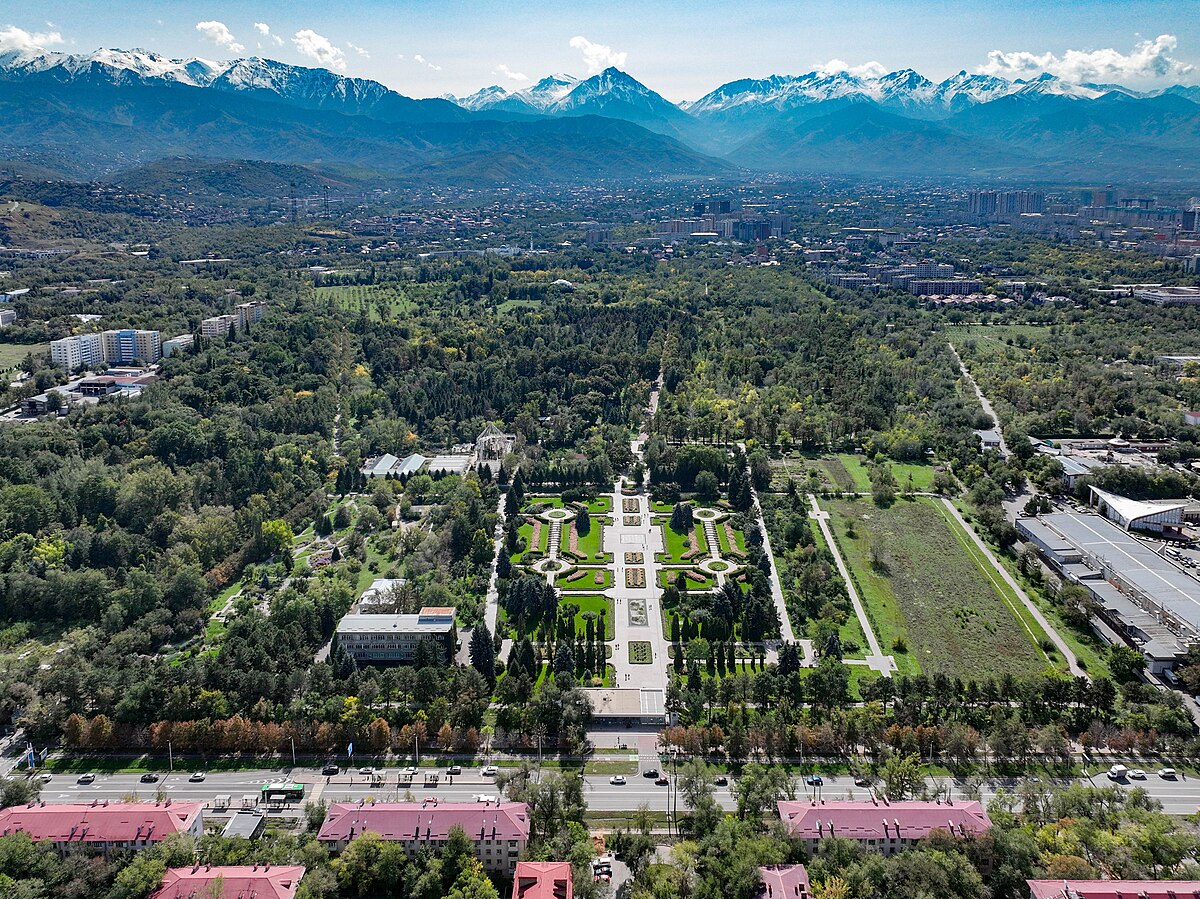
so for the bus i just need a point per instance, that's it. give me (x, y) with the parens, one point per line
(282, 792)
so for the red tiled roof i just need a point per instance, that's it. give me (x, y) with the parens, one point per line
(543, 880)
(784, 882)
(1114, 889)
(116, 822)
(426, 820)
(879, 820)
(237, 882)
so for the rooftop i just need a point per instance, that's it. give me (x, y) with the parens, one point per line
(784, 882)
(426, 821)
(114, 822)
(1132, 509)
(235, 882)
(1114, 889)
(876, 820)
(543, 880)
(427, 621)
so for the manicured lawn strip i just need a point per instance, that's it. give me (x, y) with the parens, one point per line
(546, 502)
(856, 467)
(859, 676)
(666, 577)
(675, 544)
(593, 604)
(933, 592)
(600, 505)
(701, 540)
(589, 543)
(587, 582)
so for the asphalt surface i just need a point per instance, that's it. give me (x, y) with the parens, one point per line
(1180, 796)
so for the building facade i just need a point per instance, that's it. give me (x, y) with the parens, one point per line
(880, 826)
(395, 639)
(498, 830)
(103, 826)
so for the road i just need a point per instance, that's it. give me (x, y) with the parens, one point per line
(1178, 797)
(983, 400)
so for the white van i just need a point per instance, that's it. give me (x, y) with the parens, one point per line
(1118, 772)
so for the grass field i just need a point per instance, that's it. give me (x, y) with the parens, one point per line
(587, 582)
(593, 604)
(589, 543)
(392, 301)
(676, 544)
(927, 589)
(850, 472)
(666, 577)
(12, 354)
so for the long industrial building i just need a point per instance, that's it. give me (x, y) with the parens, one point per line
(1152, 603)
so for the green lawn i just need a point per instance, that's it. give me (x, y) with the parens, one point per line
(929, 590)
(546, 502)
(676, 545)
(371, 299)
(593, 604)
(589, 543)
(12, 354)
(601, 505)
(666, 577)
(587, 582)
(859, 469)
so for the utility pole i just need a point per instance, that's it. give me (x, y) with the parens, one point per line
(170, 755)
(293, 739)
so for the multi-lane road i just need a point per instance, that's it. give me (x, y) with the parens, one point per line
(1179, 796)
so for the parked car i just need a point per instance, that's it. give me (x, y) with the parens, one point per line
(331, 771)
(1137, 774)
(489, 771)
(149, 778)
(454, 770)
(86, 778)
(721, 780)
(197, 777)
(650, 772)
(1167, 773)
(367, 770)
(617, 780)
(660, 781)
(814, 780)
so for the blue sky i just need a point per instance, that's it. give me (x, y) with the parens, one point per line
(681, 49)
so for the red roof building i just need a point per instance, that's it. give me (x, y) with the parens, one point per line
(103, 826)
(499, 830)
(1114, 889)
(543, 880)
(235, 882)
(886, 827)
(784, 882)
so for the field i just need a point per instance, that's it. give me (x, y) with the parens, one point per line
(587, 582)
(592, 604)
(849, 473)
(376, 300)
(676, 544)
(12, 354)
(920, 584)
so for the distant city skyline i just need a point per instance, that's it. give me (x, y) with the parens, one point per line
(680, 49)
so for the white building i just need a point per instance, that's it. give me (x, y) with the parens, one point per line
(77, 352)
(371, 639)
(178, 344)
(219, 326)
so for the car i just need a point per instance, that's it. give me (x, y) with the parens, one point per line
(197, 777)
(367, 770)
(617, 780)
(149, 778)
(650, 772)
(814, 780)
(660, 781)
(45, 777)
(490, 771)
(1167, 773)
(88, 778)
(1137, 774)
(331, 771)
(862, 782)
(453, 770)
(721, 780)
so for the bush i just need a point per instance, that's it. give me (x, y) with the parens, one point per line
(900, 645)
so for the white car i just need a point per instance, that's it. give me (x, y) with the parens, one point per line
(489, 771)
(1167, 773)
(85, 779)
(197, 777)
(617, 780)
(367, 770)
(1137, 774)
(45, 777)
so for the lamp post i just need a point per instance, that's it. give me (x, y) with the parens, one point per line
(170, 756)
(293, 741)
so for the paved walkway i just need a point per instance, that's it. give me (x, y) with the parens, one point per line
(491, 612)
(983, 400)
(876, 661)
(1072, 661)
(785, 624)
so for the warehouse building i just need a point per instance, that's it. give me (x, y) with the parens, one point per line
(1137, 515)
(395, 639)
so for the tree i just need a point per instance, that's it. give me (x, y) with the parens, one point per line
(583, 522)
(483, 653)
(901, 775)
(682, 518)
(760, 787)
(1125, 663)
(707, 486)
(564, 661)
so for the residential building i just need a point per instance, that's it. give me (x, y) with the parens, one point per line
(129, 345)
(77, 352)
(178, 344)
(250, 313)
(1191, 419)
(543, 880)
(784, 882)
(230, 882)
(219, 326)
(498, 830)
(374, 639)
(7, 317)
(1113, 889)
(103, 826)
(1169, 296)
(878, 825)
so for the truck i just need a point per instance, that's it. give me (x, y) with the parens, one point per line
(1118, 772)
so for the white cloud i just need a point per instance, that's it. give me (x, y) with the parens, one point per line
(1148, 59)
(319, 48)
(417, 57)
(361, 51)
(265, 30)
(508, 73)
(870, 69)
(219, 33)
(597, 57)
(14, 38)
